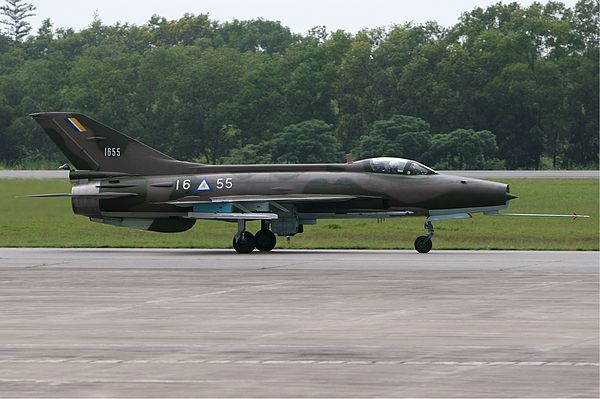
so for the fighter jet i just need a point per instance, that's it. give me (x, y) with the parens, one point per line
(120, 181)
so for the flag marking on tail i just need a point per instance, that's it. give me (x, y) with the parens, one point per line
(76, 125)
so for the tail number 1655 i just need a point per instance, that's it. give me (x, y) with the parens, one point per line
(112, 151)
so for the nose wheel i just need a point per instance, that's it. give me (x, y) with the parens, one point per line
(423, 244)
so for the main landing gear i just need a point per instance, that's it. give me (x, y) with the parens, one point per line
(423, 244)
(244, 242)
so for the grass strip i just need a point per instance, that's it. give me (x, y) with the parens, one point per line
(29, 222)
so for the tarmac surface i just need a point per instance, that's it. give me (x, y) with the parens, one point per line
(477, 174)
(212, 323)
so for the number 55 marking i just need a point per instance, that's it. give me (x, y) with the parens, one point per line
(224, 183)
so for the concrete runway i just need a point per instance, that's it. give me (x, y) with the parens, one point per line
(197, 323)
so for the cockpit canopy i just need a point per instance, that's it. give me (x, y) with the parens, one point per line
(398, 166)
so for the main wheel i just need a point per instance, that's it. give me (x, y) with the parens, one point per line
(265, 240)
(244, 242)
(423, 244)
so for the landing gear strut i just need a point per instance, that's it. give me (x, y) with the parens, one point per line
(244, 241)
(423, 244)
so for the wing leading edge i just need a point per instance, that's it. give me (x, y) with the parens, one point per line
(272, 207)
(292, 198)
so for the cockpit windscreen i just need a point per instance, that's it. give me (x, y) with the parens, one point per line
(399, 166)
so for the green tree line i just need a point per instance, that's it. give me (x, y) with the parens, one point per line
(507, 86)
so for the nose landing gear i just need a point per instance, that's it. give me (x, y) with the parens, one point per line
(423, 244)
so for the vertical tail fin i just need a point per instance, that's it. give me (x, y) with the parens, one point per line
(90, 145)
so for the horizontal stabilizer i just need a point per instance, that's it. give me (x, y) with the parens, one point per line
(93, 174)
(105, 195)
(541, 215)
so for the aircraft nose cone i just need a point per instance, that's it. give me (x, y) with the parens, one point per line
(510, 196)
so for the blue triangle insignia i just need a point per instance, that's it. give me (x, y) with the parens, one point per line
(203, 186)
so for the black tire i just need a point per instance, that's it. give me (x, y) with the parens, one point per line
(244, 242)
(423, 244)
(265, 240)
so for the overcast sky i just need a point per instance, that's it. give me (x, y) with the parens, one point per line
(299, 15)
